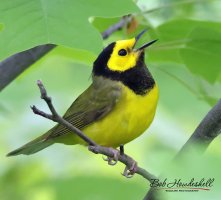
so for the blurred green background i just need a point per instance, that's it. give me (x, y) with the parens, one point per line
(189, 80)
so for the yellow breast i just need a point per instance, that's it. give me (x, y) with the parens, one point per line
(131, 116)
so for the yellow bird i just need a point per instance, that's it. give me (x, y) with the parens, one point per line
(116, 108)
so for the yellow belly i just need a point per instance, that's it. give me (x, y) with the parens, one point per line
(131, 116)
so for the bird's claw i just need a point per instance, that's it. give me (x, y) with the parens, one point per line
(112, 160)
(129, 172)
(105, 158)
(126, 173)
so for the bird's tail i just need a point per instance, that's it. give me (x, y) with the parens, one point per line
(33, 146)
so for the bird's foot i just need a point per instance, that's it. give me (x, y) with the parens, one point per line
(112, 160)
(130, 171)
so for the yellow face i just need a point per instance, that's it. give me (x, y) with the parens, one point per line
(123, 56)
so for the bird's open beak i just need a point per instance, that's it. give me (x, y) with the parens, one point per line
(145, 45)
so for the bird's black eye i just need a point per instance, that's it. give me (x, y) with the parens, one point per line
(122, 52)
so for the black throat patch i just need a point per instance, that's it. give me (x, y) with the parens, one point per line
(138, 78)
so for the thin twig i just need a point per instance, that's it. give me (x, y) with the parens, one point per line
(118, 26)
(55, 116)
(125, 159)
(128, 161)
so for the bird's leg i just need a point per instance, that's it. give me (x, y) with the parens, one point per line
(121, 149)
(112, 160)
(128, 172)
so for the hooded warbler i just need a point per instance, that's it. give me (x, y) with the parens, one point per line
(116, 108)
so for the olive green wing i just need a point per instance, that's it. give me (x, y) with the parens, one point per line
(93, 104)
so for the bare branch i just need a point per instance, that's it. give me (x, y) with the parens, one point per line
(54, 115)
(208, 129)
(11, 67)
(41, 113)
(47, 100)
(125, 159)
(131, 166)
(118, 26)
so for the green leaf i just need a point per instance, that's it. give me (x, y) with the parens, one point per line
(173, 36)
(198, 86)
(197, 45)
(103, 23)
(1, 27)
(77, 55)
(202, 54)
(62, 22)
(179, 29)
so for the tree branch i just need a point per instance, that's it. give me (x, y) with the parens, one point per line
(130, 165)
(208, 129)
(54, 115)
(11, 67)
(118, 26)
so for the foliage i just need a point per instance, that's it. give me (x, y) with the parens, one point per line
(66, 22)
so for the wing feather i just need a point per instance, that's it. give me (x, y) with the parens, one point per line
(93, 104)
